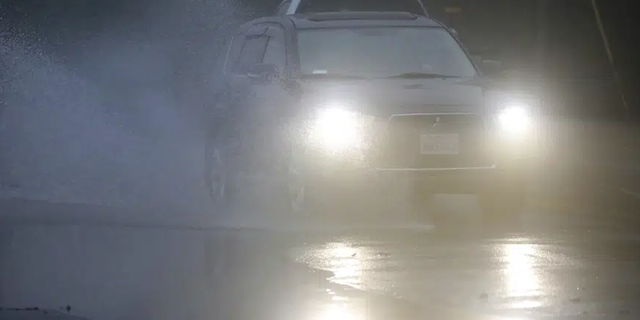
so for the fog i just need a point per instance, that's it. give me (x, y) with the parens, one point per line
(104, 103)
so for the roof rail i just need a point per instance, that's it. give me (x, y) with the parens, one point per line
(361, 15)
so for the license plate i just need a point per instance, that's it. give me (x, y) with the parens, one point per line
(448, 143)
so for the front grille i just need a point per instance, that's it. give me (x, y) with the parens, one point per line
(402, 148)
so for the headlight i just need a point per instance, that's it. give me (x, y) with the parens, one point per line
(338, 130)
(514, 119)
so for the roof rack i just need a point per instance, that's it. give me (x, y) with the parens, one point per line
(361, 15)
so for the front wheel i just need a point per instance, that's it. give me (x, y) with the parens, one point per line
(309, 192)
(504, 201)
(303, 194)
(296, 190)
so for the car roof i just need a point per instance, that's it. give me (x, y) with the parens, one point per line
(314, 6)
(360, 19)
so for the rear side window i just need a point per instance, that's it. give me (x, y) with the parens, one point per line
(283, 7)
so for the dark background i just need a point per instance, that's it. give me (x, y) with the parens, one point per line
(189, 33)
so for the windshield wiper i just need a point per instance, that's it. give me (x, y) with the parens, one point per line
(420, 75)
(332, 76)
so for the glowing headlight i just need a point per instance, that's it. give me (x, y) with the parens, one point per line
(337, 129)
(514, 119)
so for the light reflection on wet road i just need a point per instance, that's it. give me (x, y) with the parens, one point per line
(513, 276)
(557, 265)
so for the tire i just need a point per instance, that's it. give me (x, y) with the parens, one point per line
(220, 175)
(326, 201)
(503, 202)
(421, 198)
(309, 194)
(302, 196)
(314, 194)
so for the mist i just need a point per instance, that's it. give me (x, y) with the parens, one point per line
(104, 103)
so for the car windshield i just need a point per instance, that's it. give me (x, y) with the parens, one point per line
(382, 52)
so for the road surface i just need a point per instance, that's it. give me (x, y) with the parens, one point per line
(568, 257)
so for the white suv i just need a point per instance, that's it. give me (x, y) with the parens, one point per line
(316, 6)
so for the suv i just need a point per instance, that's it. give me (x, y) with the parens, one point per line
(315, 6)
(331, 103)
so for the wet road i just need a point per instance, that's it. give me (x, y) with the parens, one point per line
(517, 275)
(565, 259)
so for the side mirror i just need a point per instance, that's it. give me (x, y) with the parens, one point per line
(491, 67)
(263, 72)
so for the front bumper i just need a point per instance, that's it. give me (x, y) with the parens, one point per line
(394, 153)
(460, 180)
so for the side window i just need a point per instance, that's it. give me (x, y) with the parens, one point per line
(275, 52)
(283, 7)
(252, 53)
(246, 50)
(260, 44)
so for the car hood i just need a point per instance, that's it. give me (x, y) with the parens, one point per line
(382, 98)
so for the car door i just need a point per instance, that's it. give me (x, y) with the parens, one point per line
(256, 116)
(270, 101)
(231, 86)
(235, 115)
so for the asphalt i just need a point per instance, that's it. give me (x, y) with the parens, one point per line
(566, 257)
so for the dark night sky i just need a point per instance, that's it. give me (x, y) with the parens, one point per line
(193, 31)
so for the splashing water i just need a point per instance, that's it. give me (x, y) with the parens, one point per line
(109, 119)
